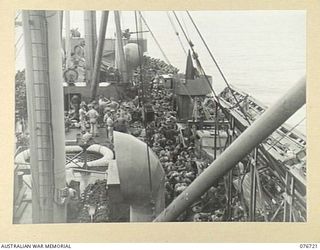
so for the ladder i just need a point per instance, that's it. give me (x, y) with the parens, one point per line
(40, 105)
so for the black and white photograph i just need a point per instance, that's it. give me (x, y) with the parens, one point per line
(160, 116)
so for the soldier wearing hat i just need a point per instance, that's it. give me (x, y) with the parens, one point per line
(93, 115)
(156, 147)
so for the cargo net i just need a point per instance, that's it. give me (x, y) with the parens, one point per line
(93, 205)
(91, 156)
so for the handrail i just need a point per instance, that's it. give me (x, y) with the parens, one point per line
(244, 144)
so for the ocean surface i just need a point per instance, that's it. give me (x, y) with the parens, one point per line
(261, 52)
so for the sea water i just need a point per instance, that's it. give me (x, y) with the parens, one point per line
(260, 52)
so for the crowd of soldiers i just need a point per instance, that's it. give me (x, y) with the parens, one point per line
(161, 67)
(108, 113)
(177, 156)
(175, 151)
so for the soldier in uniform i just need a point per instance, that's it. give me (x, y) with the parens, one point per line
(93, 115)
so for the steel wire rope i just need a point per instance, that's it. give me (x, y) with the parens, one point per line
(200, 66)
(21, 46)
(184, 24)
(143, 106)
(155, 39)
(19, 50)
(176, 32)
(198, 62)
(18, 15)
(218, 67)
(18, 40)
(203, 71)
(222, 74)
(196, 58)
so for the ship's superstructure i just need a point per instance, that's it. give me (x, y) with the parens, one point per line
(119, 136)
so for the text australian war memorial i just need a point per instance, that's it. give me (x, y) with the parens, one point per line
(106, 132)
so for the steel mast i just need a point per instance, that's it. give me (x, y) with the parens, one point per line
(45, 113)
(99, 53)
(67, 39)
(122, 61)
(90, 36)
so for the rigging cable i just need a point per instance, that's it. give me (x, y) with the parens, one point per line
(218, 67)
(199, 65)
(203, 71)
(196, 58)
(215, 95)
(176, 32)
(191, 45)
(17, 42)
(18, 15)
(155, 39)
(19, 50)
(143, 106)
(184, 24)
(225, 80)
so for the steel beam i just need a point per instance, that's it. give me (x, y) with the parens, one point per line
(243, 145)
(253, 187)
(57, 110)
(35, 31)
(122, 61)
(99, 53)
(45, 109)
(90, 36)
(68, 49)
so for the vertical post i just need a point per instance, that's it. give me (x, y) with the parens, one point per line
(90, 36)
(268, 122)
(265, 215)
(285, 209)
(216, 127)
(44, 88)
(140, 28)
(29, 92)
(292, 198)
(140, 34)
(99, 53)
(37, 84)
(122, 61)
(67, 39)
(228, 183)
(57, 109)
(61, 24)
(116, 52)
(230, 176)
(253, 187)
(289, 200)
